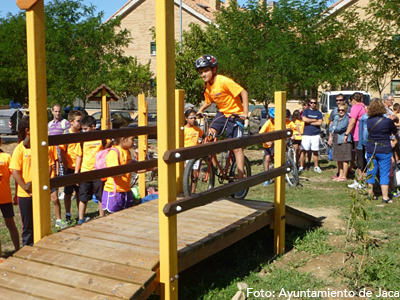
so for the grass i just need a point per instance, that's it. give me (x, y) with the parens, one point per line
(251, 260)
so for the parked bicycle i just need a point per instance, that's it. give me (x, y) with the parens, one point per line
(200, 173)
(292, 178)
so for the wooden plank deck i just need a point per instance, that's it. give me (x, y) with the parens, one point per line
(117, 257)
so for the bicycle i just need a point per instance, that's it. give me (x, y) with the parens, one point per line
(292, 178)
(151, 174)
(200, 173)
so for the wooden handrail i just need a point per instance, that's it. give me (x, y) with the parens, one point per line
(63, 139)
(71, 179)
(182, 154)
(211, 195)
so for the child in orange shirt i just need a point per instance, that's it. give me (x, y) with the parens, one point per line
(117, 194)
(21, 172)
(297, 133)
(191, 132)
(269, 126)
(69, 159)
(6, 200)
(87, 155)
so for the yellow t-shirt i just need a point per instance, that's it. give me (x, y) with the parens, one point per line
(298, 134)
(21, 161)
(123, 182)
(270, 126)
(5, 190)
(225, 94)
(89, 151)
(70, 153)
(192, 135)
(54, 156)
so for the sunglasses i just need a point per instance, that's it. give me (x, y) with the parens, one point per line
(341, 110)
(192, 118)
(313, 102)
(339, 100)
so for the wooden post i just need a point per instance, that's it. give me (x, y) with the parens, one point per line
(280, 160)
(143, 142)
(105, 110)
(166, 140)
(35, 33)
(179, 121)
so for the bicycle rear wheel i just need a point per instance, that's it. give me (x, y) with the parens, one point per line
(198, 176)
(233, 176)
(292, 178)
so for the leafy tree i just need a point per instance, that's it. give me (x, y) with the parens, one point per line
(13, 59)
(382, 32)
(81, 53)
(265, 49)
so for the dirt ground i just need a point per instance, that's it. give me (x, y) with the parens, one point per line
(8, 148)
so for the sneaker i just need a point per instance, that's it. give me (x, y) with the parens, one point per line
(61, 224)
(301, 169)
(266, 183)
(68, 220)
(317, 170)
(354, 185)
(61, 196)
(395, 194)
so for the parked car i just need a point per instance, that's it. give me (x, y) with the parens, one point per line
(151, 120)
(257, 119)
(118, 119)
(9, 119)
(328, 99)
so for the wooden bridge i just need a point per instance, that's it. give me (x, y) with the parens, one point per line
(131, 254)
(117, 257)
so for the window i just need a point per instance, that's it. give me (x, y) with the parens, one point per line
(395, 87)
(152, 48)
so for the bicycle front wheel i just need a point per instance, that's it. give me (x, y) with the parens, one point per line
(198, 177)
(233, 176)
(292, 178)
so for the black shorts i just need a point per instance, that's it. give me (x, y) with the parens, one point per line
(269, 151)
(296, 142)
(68, 190)
(233, 130)
(7, 210)
(360, 157)
(87, 189)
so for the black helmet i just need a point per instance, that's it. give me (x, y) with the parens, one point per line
(206, 61)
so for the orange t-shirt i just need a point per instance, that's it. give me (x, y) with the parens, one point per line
(54, 156)
(270, 126)
(225, 94)
(192, 135)
(70, 153)
(298, 134)
(90, 149)
(21, 161)
(5, 190)
(123, 182)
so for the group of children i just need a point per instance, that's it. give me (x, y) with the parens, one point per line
(295, 123)
(77, 157)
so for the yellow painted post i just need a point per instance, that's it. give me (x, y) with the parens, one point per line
(143, 141)
(35, 33)
(280, 160)
(105, 111)
(179, 121)
(166, 140)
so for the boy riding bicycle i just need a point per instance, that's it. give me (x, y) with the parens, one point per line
(232, 102)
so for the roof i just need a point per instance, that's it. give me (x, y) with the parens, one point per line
(198, 8)
(339, 5)
(111, 94)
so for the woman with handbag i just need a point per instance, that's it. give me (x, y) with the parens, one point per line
(379, 149)
(341, 150)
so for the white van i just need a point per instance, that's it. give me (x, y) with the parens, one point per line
(328, 100)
